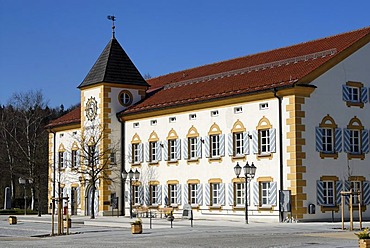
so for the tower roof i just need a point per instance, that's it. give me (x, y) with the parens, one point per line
(113, 66)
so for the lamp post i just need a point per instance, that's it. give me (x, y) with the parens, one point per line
(23, 182)
(249, 173)
(131, 175)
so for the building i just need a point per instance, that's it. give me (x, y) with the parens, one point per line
(299, 113)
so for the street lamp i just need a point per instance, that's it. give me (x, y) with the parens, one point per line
(23, 182)
(131, 174)
(249, 173)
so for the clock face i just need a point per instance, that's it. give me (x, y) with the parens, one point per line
(91, 109)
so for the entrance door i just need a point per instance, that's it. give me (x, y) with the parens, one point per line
(89, 199)
(73, 201)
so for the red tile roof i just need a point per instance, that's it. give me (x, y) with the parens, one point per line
(72, 117)
(249, 74)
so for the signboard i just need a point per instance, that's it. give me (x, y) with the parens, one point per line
(187, 212)
(285, 200)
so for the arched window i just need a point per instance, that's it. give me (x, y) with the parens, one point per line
(264, 138)
(192, 147)
(135, 150)
(214, 143)
(172, 147)
(356, 139)
(238, 141)
(328, 138)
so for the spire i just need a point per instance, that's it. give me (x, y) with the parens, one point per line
(112, 18)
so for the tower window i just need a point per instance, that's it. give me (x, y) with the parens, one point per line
(125, 98)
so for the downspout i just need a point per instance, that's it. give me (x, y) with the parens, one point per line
(123, 183)
(281, 166)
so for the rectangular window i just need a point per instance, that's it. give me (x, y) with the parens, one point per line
(172, 155)
(193, 193)
(214, 113)
(327, 140)
(264, 106)
(264, 193)
(354, 141)
(136, 125)
(192, 117)
(356, 186)
(112, 157)
(153, 194)
(354, 94)
(74, 159)
(264, 138)
(153, 151)
(328, 193)
(172, 193)
(192, 143)
(215, 193)
(239, 189)
(238, 110)
(172, 119)
(135, 153)
(61, 159)
(215, 146)
(238, 144)
(136, 198)
(91, 154)
(153, 122)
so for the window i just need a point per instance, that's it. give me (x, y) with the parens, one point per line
(238, 110)
(136, 125)
(172, 193)
(61, 135)
(192, 148)
(112, 157)
(74, 158)
(135, 191)
(172, 154)
(264, 193)
(264, 106)
(172, 119)
(136, 153)
(264, 138)
(214, 113)
(192, 117)
(91, 155)
(238, 144)
(192, 193)
(153, 122)
(215, 146)
(74, 133)
(215, 194)
(125, 98)
(328, 138)
(328, 193)
(356, 186)
(153, 194)
(356, 139)
(61, 159)
(153, 146)
(239, 189)
(354, 94)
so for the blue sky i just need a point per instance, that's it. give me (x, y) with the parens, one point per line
(51, 45)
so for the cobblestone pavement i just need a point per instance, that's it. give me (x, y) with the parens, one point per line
(33, 231)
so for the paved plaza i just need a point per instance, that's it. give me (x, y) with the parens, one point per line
(34, 231)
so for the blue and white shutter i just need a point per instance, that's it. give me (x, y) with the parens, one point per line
(230, 144)
(129, 153)
(78, 158)
(185, 149)
(65, 159)
(319, 192)
(338, 188)
(222, 145)
(246, 143)
(159, 151)
(319, 134)
(69, 159)
(57, 161)
(146, 152)
(78, 195)
(347, 135)
(159, 194)
(165, 194)
(147, 195)
(345, 93)
(165, 150)
(141, 152)
(206, 147)
(338, 140)
(256, 194)
(178, 149)
(366, 192)
(222, 194)
(207, 194)
(199, 147)
(200, 194)
(255, 142)
(230, 194)
(364, 96)
(141, 195)
(96, 202)
(186, 193)
(272, 133)
(273, 193)
(347, 187)
(178, 197)
(365, 141)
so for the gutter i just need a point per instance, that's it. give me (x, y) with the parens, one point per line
(123, 184)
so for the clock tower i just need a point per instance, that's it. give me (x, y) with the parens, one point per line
(112, 85)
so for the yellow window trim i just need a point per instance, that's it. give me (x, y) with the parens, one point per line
(238, 180)
(136, 139)
(153, 137)
(193, 181)
(329, 178)
(61, 148)
(357, 178)
(238, 127)
(172, 182)
(136, 183)
(325, 120)
(214, 130)
(265, 179)
(172, 135)
(264, 123)
(193, 132)
(154, 183)
(215, 180)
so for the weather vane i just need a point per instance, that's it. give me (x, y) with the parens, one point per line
(112, 18)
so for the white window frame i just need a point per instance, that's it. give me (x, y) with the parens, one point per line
(136, 153)
(238, 143)
(192, 150)
(215, 194)
(153, 151)
(74, 158)
(354, 141)
(354, 94)
(153, 194)
(172, 153)
(356, 186)
(214, 146)
(264, 141)
(328, 140)
(172, 194)
(265, 193)
(193, 189)
(61, 160)
(328, 193)
(136, 194)
(239, 189)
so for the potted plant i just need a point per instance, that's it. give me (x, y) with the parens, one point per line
(12, 220)
(137, 226)
(363, 238)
